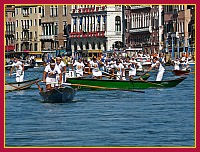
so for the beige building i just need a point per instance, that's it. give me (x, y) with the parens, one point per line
(55, 18)
(10, 28)
(28, 27)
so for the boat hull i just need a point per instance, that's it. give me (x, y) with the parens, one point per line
(19, 85)
(124, 85)
(181, 72)
(58, 95)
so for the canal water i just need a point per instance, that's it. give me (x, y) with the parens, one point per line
(158, 117)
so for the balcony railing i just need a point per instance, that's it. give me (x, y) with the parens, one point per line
(87, 34)
(136, 30)
(25, 27)
(47, 37)
(89, 10)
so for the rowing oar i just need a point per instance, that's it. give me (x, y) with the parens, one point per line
(104, 88)
(10, 74)
(114, 76)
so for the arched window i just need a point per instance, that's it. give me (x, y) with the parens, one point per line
(87, 46)
(93, 45)
(75, 46)
(99, 45)
(81, 46)
(117, 23)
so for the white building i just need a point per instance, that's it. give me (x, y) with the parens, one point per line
(95, 28)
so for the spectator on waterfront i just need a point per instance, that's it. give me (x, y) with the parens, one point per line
(156, 64)
(18, 66)
(49, 75)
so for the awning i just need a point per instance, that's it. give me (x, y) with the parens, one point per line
(9, 48)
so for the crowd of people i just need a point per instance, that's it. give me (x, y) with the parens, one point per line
(112, 67)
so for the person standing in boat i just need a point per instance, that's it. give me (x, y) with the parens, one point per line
(18, 66)
(79, 67)
(176, 64)
(62, 66)
(156, 64)
(132, 69)
(49, 75)
(96, 71)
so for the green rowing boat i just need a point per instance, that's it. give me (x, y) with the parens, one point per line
(82, 83)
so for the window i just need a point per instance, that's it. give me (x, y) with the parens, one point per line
(31, 35)
(17, 23)
(56, 11)
(87, 46)
(43, 11)
(17, 35)
(117, 24)
(40, 10)
(16, 10)
(93, 45)
(35, 9)
(30, 10)
(51, 10)
(65, 10)
(40, 22)
(35, 22)
(99, 45)
(31, 23)
(35, 47)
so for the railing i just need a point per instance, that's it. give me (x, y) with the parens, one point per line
(47, 37)
(89, 10)
(25, 27)
(87, 34)
(146, 29)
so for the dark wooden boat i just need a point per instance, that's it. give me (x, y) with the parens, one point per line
(13, 86)
(58, 95)
(181, 72)
(122, 84)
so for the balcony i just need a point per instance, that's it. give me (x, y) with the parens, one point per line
(89, 10)
(140, 7)
(25, 27)
(25, 40)
(47, 37)
(87, 34)
(138, 30)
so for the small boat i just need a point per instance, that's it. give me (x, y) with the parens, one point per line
(181, 72)
(58, 95)
(12, 86)
(122, 84)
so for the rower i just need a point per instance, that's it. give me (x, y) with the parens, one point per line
(132, 69)
(156, 64)
(176, 64)
(79, 67)
(49, 75)
(18, 66)
(61, 65)
(96, 71)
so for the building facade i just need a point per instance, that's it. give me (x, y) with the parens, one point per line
(95, 28)
(54, 20)
(10, 28)
(161, 28)
(28, 27)
(144, 27)
(179, 22)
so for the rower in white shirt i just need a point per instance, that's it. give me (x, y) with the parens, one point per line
(156, 64)
(18, 66)
(79, 67)
(49, 75)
